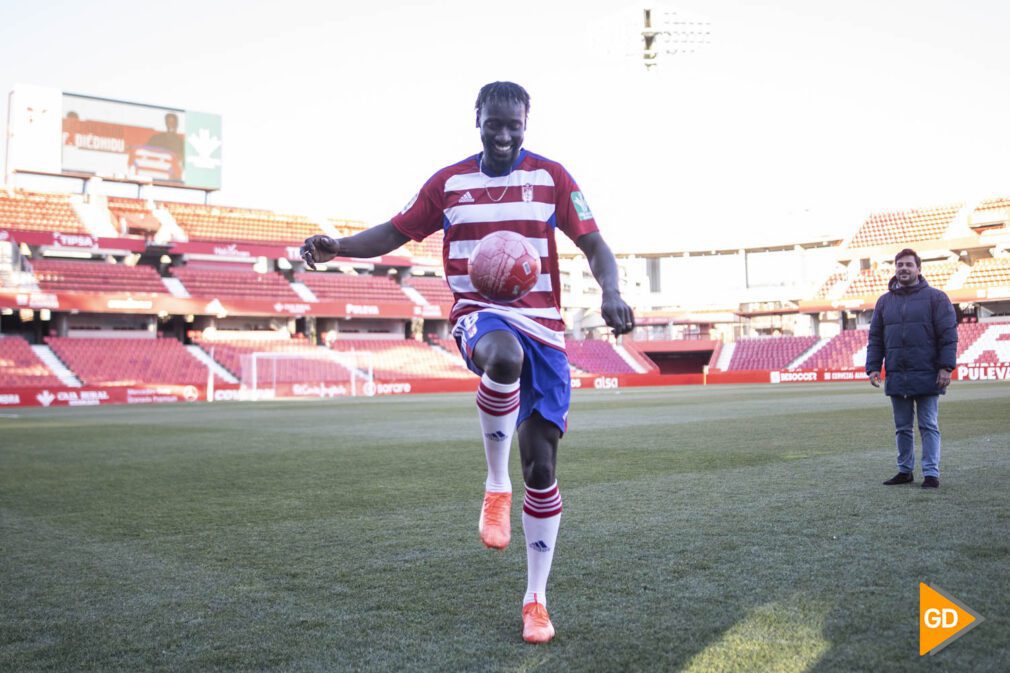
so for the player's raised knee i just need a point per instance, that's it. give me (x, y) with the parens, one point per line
(500, 356)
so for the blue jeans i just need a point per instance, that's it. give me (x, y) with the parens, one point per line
(926, 407)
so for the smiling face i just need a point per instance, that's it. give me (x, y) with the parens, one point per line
(502, 127)
(906, 270)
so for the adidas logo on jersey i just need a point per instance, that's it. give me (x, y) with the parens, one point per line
(466, 198)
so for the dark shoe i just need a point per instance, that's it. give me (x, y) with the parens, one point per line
(930, 482)
(900, 478)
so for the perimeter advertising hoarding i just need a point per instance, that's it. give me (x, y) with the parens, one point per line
(57, 132)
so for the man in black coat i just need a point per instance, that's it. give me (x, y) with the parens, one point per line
(914, 333)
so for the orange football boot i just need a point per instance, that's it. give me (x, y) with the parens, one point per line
(495, 526)
(537, 627)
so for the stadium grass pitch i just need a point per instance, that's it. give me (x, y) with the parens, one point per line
(728, 528)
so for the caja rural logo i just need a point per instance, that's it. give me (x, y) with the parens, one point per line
(942, 619)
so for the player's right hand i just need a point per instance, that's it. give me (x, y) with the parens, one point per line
(318, 249)
(874, 379)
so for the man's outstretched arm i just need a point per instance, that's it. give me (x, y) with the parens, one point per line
(373, 242)
(616, 312)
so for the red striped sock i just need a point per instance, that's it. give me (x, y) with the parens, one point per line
(541, 519)
(542, 503)
(498, 409)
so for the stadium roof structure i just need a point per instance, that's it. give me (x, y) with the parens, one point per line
(809, 244)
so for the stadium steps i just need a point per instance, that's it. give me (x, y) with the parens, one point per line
(326, 226)
(95, 217)
(59, 369)
(170, 229)
(795, 364)
(859, 357)
(725, 356)
(303, 291)
(202, 355)
(959, 227)
(175, 287)
(956, 281)
(626, 356)
(414, 295)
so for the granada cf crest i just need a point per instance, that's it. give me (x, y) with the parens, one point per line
(527, 192)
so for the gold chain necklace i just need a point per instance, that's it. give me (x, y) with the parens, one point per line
(508, 179)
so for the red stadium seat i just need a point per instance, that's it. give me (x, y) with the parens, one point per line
(129, 361)
(235, 282)
(37, 211)
(80, 276)
(223, 223)
(20, 366)
(768, 352)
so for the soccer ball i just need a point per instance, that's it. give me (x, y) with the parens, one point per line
(504, 266)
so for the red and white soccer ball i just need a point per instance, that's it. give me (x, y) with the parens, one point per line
(504, 266)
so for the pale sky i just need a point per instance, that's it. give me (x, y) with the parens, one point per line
(798, 119)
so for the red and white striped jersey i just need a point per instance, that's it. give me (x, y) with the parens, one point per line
(535, 198)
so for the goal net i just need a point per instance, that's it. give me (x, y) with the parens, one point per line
(316, 373)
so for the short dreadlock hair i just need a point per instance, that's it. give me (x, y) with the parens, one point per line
(497, 92)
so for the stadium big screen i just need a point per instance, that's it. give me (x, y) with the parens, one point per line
(56, 132)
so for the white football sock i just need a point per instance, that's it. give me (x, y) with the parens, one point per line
(541, 518)
(498, 409)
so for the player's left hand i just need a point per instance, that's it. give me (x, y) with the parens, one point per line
(943, 379)
(318, 249)
(617, 314)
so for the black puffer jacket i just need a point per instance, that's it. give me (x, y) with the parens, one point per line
(914, 333)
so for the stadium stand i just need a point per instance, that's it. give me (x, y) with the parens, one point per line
(839, 352)
(234, 281)
(938, 274)
(331, 286)
(429, 248)
(79, 276)
(313, 365)
(983, 343)
(834, 279)
(597, 357)
(989, 273)
(20, 366)
(999, 203)
(768, 352)
(126, 361)
(37, 211)
(405, 359)
(871, 282)
(637, 352)
(968, 334)
(133, 216)
(222, 223)
(905, 226)
(434, 289)
(448, 345)
(346, 227)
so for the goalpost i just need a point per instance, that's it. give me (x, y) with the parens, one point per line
(321, 373)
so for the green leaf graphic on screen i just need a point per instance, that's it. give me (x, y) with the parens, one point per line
(203, 150)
